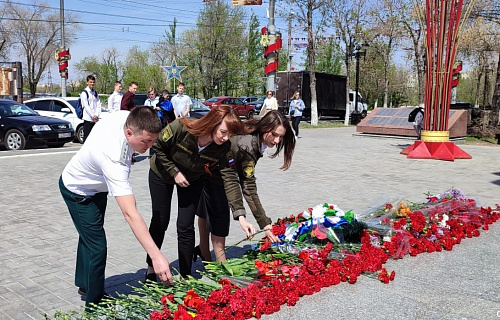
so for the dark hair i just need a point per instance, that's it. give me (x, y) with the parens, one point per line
(90, 77)
(207, 124)
(181, 84)
(268, 123)
(143, 119)
(133, 82)
(117, 82)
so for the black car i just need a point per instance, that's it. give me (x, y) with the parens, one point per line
(20, 125)
(139, 98)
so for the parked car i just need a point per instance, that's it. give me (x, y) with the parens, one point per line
(461, 105)
(20, 125)
(242, 109)
(258, 103)
(198, 109)
(61, 108)
(139, 99)
(248, 99)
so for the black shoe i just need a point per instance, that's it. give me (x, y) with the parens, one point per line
(83, 292)
(197, 253)
(150, 276)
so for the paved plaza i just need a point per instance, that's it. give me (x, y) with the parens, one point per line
(38, 240)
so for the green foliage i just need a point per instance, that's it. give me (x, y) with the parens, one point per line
(139, 68)
(329, 57)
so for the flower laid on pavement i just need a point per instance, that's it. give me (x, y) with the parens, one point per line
(321, 246)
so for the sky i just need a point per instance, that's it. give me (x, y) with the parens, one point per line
(125, 23)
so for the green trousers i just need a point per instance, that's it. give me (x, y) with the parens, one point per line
(87, 213)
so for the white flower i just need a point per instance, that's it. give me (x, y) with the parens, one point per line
(318, 211)
(442, 223)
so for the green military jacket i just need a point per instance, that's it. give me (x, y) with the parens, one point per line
(177, 150)
(247, 150)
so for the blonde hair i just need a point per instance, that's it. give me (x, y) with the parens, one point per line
(152, 90)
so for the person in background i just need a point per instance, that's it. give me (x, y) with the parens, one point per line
(128, 98)
(91, 107)
(152, 99)
(181, 102)
(115, 99)
(419, 119)
(270, 103)
(165, 109)
(186, 151)
(272, 130)
(103, 165)
(295, 111)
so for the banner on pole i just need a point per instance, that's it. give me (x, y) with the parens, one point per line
(246, 2)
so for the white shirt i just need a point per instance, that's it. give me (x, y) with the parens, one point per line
(270, 103)
(151, 103)
(103, 163)
(114, 101)
(419, 118)
(180, 104)
(91, 106)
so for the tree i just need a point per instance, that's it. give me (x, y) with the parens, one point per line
(489, 10)
(221, 43)
(255, 60)
(106, 70)
(387, 29)
(328, 56)
(347, 18)
(4, 34)
(139, 68)
(35, 32)
(310, 14)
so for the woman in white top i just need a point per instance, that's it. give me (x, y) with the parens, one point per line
(270, 103)
(115, 99)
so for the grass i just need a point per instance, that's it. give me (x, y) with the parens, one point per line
(474, 139)
(324, 124)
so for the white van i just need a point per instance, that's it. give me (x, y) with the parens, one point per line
(362, 106)
(61, 108)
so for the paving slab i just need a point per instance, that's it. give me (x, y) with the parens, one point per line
(38, 239)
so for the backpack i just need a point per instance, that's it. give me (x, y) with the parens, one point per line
(413, 114)
(79, 106)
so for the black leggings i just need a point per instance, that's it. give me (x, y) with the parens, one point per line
(187, 199)
(295, 124)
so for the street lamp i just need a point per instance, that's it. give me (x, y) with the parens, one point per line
(359, 51)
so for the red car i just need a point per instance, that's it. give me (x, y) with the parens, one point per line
(242, 109)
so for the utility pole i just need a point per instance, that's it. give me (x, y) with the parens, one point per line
(63, 45)
(272, 56)
(289, 66)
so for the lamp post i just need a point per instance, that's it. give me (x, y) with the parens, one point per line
(359, 51)
(63, 46)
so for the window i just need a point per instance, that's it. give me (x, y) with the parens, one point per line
(42, 105)
(58, 105)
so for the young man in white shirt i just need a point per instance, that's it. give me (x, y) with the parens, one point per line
(115, 99)
(181, 102)
(91, 106)
(152, 99)
(103, 165)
